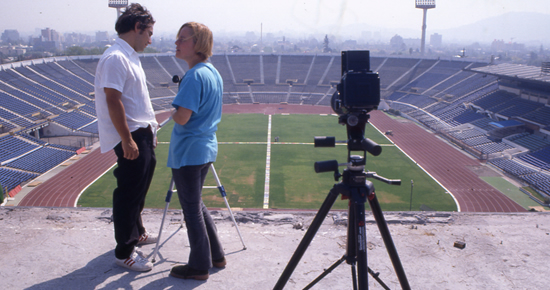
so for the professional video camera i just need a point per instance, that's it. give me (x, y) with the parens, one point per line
(359, 89)
(357, 94)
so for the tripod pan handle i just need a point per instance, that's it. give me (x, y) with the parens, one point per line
(326, 166)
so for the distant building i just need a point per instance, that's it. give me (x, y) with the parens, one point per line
(396, 42)
(76, 38)
(501, 45)
(50, 35)
(10, 36)
(48, 40)
(13, 50)
(436, 40)
(412, 42)
(101, 36)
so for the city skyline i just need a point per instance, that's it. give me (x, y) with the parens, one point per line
(298, 17)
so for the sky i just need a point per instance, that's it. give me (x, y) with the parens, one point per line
(298, 16)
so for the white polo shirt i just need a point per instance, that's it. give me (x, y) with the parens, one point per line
(119, 68)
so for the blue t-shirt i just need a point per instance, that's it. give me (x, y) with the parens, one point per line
(195, 142)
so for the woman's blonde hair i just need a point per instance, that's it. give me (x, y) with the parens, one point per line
(202, 38)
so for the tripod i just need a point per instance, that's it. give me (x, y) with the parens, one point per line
(355, 187)
(169, 198)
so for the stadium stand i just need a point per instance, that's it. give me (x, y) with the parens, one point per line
(74, 120)
(11, 178)
(12, 147)
(530, 141)
(539, 116)
(76, 69)
(54, 71)
(41, 160)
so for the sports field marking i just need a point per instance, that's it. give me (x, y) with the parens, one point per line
(267, 165)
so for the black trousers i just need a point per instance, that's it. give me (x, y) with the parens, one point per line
(201, 230)
(133, 180)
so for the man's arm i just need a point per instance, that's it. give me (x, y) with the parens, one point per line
(181, 115)
(118, 117)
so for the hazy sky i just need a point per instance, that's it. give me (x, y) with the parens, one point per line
(305, 16)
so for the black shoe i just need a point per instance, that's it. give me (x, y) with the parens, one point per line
(219, 263)
(186, 272)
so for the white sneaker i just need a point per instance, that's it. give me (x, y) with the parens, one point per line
(147, 238)
(136, 262)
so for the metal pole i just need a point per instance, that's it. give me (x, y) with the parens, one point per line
(423, 40)
(410, 204)
(222, 192)
(168, 198)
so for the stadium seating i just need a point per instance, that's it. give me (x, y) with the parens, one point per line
(530, 141)
(41, 160)
(11, 178)
(540, 115)
(12, 147)
(87, 77)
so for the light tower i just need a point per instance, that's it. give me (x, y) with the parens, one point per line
(118, 4)
(424, 5)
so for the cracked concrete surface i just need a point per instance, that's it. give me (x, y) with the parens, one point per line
(72, 248)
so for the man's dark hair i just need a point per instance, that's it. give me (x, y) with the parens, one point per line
(134, 13)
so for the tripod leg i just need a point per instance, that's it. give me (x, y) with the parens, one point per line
(222, 192)
(357, 233)
(308, 237)
(385, 232)
(326, 272)
(354, 276)
(377, 278)
(168, 198)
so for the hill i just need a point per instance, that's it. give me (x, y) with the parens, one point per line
(521, 27)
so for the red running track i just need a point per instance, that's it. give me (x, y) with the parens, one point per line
(63, 189)
(446, 164)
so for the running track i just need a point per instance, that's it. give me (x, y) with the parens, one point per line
(443, 162)
(447, 165)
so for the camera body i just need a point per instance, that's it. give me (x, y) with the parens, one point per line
(359, 88)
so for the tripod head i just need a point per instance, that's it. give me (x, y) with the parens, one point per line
(355, 125)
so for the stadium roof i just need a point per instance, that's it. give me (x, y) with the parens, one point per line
(507, 123)
(525, 72)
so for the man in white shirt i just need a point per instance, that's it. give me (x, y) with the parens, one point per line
(127, 124)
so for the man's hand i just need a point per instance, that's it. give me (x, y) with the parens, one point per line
(130, 150)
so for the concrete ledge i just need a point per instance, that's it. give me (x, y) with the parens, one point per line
(72, 248)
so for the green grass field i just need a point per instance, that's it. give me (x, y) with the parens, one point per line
(293, 181)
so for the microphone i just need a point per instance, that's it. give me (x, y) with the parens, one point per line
(176, 79)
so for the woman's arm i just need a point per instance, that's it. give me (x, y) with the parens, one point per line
(181, 115)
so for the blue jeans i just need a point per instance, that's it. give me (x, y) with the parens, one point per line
(201, 230)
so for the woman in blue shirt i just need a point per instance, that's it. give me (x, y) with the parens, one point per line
(193, 147)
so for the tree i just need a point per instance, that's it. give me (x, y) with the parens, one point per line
(75, 50)
(326, 47)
